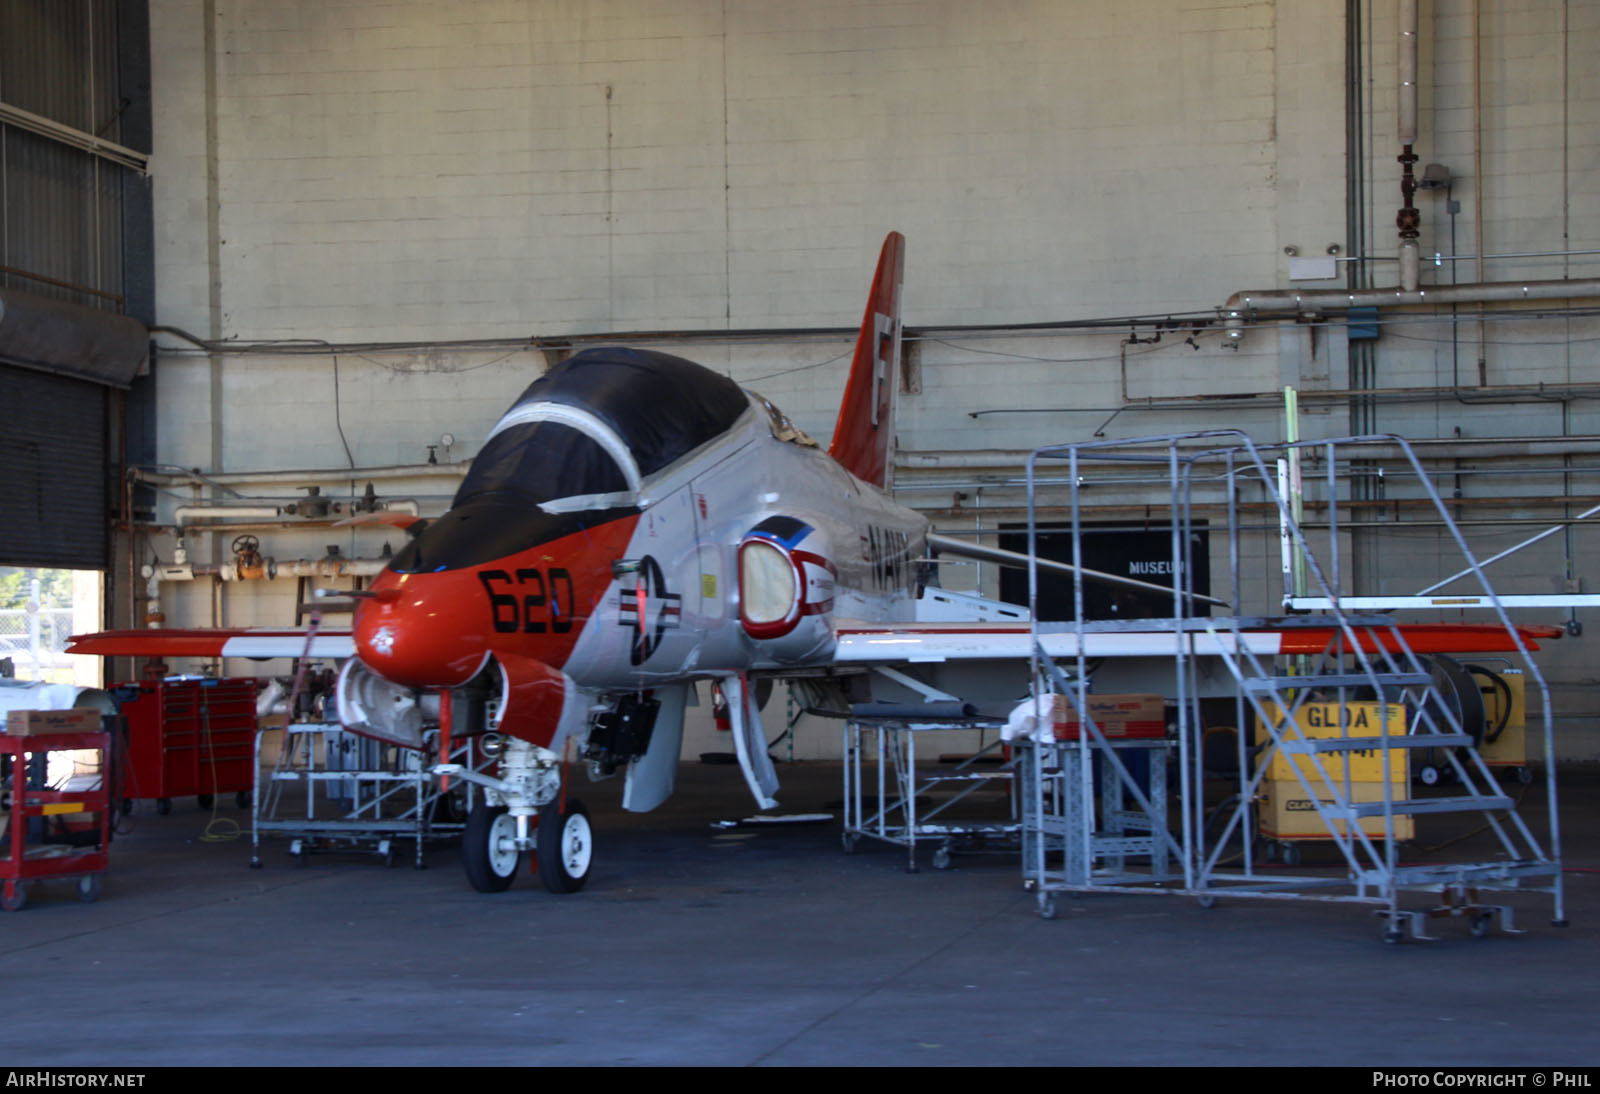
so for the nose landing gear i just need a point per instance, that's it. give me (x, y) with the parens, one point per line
(521, 812)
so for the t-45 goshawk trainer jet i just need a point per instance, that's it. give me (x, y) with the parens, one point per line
(633, 524)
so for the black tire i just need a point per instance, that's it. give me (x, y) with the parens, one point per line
(13, 897)
(163, 806)
(450, 807)
(89, 888)
(242, 799)
(489, 869)
(204, 801)
(566, 846)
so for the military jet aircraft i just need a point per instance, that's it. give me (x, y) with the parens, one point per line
(636, 523)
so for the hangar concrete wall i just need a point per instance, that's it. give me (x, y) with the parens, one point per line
(366, 209)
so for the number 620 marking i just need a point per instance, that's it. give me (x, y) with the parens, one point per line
(546, 601)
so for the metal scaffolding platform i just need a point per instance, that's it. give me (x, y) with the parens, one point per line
(1274, 668)
(886, 798)
(329, 788)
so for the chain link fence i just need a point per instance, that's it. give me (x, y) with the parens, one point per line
(34, 640)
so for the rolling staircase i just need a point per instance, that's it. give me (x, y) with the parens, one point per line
(1367, 659)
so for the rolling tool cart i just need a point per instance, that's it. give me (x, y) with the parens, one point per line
(53, 831)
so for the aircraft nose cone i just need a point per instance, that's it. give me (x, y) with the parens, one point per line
(415, 631)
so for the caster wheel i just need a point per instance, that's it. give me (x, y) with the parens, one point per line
(163, 806)
(204, 801)
(1524, 776)
(242, 799)
(848, 842)
(1206, 900)
(255, 862)
(1289, 853)
(1430, 775)
(450, 807)
(1047, 906)
(127, 807)
(13, 897)
(1393, 937)
(941, 859)
(566, 846)
(1482, 924)
(89, 888)
(486, 849)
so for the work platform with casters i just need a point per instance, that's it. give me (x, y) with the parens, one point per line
(327, 788)
(1274, 673)
(888, 797)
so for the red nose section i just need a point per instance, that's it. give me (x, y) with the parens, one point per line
(424, 630)
(438, 629)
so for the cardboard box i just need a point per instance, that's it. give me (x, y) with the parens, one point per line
(1118, 716)
(1330, 720)
(34, 723)
(1285, 811)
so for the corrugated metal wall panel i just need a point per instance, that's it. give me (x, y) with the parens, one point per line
(63, 207)
(53, 509)
(64, 215)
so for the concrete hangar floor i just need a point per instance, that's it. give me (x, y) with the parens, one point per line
(759, 946)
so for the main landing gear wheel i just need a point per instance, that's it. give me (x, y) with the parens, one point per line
(486, 848)
(566, 846)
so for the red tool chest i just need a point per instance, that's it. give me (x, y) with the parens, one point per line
(189, 737)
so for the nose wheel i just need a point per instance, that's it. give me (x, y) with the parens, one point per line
(566, 846)
(489, 848)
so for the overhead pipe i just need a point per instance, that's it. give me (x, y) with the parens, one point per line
(1241, 305)
(156, 574)
(1442, 448)
(170, 476)
(185, 514)
(230, 517)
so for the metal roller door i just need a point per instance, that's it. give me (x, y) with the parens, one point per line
(53, 463)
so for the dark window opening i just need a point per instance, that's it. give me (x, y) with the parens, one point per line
(1139, 551)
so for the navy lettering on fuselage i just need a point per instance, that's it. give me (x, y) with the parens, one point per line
(887, 557)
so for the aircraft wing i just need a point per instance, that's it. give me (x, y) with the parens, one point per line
(260, 643)
(861, 643)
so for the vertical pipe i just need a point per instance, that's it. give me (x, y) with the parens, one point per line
(1407, 62)
(1477, 182)
(1408, 220)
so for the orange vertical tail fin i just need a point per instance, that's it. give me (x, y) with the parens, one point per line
(863, 438)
